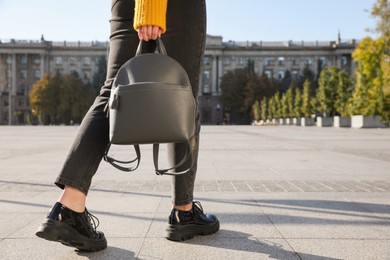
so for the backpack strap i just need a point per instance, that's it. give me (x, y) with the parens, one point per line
(114, 162)
(158, 171)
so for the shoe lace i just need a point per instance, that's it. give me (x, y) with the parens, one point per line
(198, 205)
(93, 220)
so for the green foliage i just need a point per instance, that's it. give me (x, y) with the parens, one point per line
(233, 85)
(75, 99)
(241, 88)
(298, 103)
(278, 105)
(264, 109)
(60, 99)
(256, 110)
(344, 91)
(307, 108)
(44, 98)
(381, 11)
(284, 106)
(289, 102)
(327, 91)
(368, 97)
(271, 108)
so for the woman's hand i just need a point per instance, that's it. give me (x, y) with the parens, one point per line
(149, 32)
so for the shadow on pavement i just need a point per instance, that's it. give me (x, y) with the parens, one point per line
(240, 241)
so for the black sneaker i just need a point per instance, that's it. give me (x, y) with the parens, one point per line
(72, 229)
(185, 225)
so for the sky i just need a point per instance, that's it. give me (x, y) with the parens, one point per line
(236, 20)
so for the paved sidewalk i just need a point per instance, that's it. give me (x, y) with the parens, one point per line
(280, 192)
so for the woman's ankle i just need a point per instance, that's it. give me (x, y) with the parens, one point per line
(186, 207)
(73, 199)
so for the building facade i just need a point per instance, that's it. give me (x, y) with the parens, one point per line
(22, 63)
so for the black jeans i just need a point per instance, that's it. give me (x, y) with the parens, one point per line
(184, 41)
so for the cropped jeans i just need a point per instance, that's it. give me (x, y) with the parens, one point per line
(184, 41)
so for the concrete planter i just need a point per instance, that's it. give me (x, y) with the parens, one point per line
(307, 121)
(275, 121)
(341, 121)
(324, 121)
(360, 121)
(284, 122)
(289, 121)
(280, 121)
(297, 121)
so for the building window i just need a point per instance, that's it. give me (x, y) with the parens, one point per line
(344, 61)
(58, 60)
(295, 74)
(322, 62)
(9, 60)
(206, 61)
(37, 74)
(206, 89)
(268, 73)
(308, 61)
(226, 61)
(206, 75)
(23, 59)
(87, 75)
(21, 103)
(281, 74)
(37, 60)
(281, 61)
(241, 61)
(23, 74)
(268, 61)
(87, 61)
(295, 61)
(72, 60)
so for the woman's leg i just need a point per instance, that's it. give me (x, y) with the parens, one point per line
(92, 138)
(184, 41)
(68, 221)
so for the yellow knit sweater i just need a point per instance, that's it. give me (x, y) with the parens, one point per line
(150, 12)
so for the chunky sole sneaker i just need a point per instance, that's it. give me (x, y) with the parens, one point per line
(176, 232)
(58, 231)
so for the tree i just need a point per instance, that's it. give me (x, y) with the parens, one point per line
(278, 105)
(75, 99)
(264, 110)
(308, 75)
(327, 90)
(60, 99)
(233, 85)
(44, 99)
(286, 82)
(381, 12)
(271, 108)
(284, 106)
(307, 108)
(289, 96)
(256, 111)
(368, 97)
(298, 103)
(344, 91)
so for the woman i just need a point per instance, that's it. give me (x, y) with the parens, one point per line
(181, 25)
